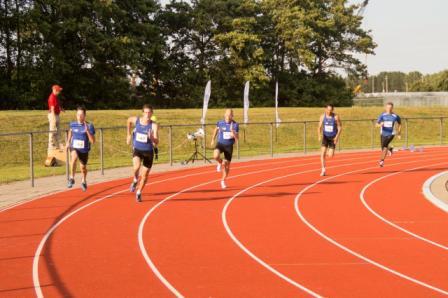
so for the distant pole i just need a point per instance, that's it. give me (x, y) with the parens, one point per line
(373, 84)
(407, 87)
(387, 85)
(382, 84)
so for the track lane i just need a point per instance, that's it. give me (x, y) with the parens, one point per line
(270, 230)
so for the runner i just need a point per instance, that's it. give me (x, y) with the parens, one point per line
(387, 122)
(329, 131)
(80, 135)
(227, 132)
(144, 138)
(155, 126)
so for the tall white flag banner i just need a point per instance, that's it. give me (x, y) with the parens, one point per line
(207, 92)
(246, 103)
(277, 117)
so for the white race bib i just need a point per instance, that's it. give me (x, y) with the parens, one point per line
(227, 135)
(141, 137)
(78, 144)
(328, 128)
(388, 124)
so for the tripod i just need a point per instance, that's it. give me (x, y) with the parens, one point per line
(196, 154)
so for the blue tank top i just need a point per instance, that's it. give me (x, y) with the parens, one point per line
(141, 140)
(80, 140)
(330, 126)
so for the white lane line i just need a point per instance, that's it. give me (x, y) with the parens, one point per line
(430, 196)
(358, 255)
(35, 271)
(278, 161)
(143, 249)
(364, 202)
(250, 253)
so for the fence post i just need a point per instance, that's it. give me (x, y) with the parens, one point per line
(31, 160)
(170, 144)
(204, 127)
(372, 134)
(67, 157)
(441, 130)
(304, 137)
(406, 130)
(102, 151)
(271, 132)
(238, 149)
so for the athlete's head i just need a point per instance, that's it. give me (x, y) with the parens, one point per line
(389, 107)
(56, 89)
(147, 111)
(329, 108)
(81, 114)
(228, 115)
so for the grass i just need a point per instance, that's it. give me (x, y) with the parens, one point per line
(255, 138)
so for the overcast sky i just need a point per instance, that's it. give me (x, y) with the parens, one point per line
(411, 35)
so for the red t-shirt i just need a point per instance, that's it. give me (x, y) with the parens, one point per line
(53, 102)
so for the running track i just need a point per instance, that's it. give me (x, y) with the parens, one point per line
(279, 230)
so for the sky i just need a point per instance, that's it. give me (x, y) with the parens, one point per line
(411, 35)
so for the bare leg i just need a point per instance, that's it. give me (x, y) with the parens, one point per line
(143, 178)
(217, 156)
(73, 159)
(384, 153)
(136, 163)
(330, 153)
(323, 153)
(84, 172)
(226, 171)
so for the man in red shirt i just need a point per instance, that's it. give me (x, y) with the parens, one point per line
(54, 109)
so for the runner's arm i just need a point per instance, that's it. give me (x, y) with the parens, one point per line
(69, 139)
(89, 134)
(155, 134)
(130, 122)
(234, 132)
(319, 128)
(339, 125)
(215, 132)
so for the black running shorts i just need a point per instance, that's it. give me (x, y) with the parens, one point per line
(146, 156)
(385, 141)
(226, 149)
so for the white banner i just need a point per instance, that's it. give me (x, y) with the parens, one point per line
(246, 103)
(277, 117)
(207, 92)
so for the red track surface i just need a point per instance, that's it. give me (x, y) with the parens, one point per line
(279, 230)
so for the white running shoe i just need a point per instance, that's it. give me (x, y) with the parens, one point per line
(218, 167)
(323, 173)
(223, 184)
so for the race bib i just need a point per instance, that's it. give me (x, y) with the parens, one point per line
(141, 137)
(227, 135)
(78, 144)
(328, 128)
(388, 124)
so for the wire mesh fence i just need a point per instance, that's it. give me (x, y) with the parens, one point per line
(23, 154)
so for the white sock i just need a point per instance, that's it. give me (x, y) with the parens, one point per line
(139, 192)
(135, 179)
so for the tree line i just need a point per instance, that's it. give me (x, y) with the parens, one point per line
(119, 54)
(397, 81)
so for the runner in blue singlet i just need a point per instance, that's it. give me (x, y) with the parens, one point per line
(144, 138)
(80, 135)
(386, 121)
(329, 131)
(227, 132)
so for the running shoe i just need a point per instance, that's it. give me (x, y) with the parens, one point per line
(84, 186)
(70, 182)
(223, 184)
(323, 173)
(218, 167)
(133, 186)
(381, 163)
(138, 197)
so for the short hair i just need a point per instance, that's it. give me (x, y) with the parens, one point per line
(81, 108)
(147, 106)
(329, 105)
(390, 104)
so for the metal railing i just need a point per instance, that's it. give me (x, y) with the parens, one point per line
(259, 138)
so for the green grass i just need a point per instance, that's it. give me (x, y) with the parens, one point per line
(255, 138)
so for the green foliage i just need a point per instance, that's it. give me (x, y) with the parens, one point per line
(94, 48)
